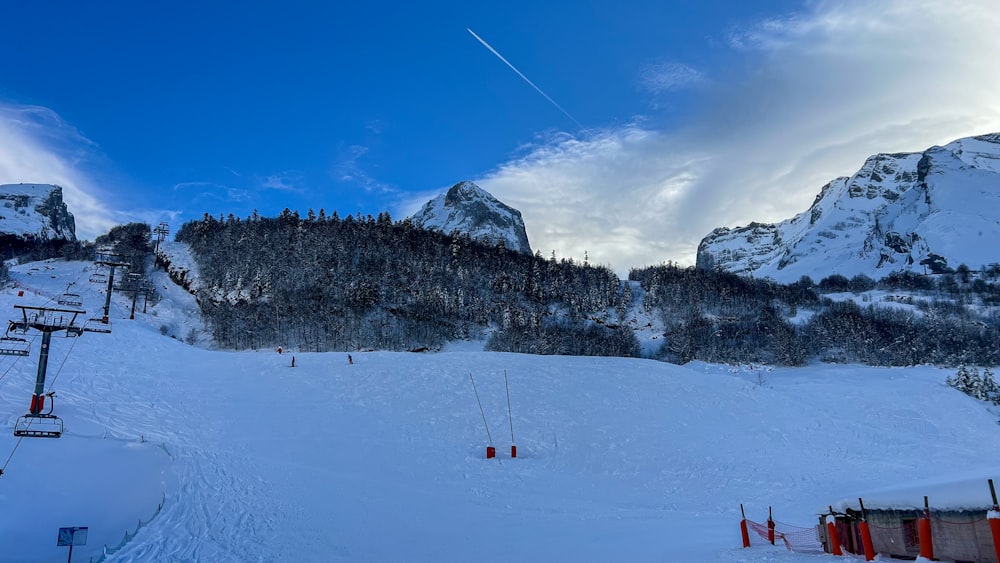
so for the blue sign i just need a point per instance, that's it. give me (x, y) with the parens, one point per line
(75, 535)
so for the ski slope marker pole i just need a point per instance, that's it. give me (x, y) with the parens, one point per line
(491, 452)
(513, 448)
(743, 527)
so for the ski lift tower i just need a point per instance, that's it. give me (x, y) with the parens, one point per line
(136, 285)
(36, 424)
(112, 261)
(161, 231)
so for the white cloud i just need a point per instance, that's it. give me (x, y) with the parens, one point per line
(287, 181)
(349, 169)
(199, 191)
(822, 91)
(37, 146)
(665, 77)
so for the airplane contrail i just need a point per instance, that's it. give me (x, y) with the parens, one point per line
(519, 73)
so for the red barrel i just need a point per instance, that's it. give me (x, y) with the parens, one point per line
(491, 452)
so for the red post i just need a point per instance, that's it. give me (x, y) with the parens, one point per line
(866, 542)
(993, 516)
(743, 527)
(770, 531)
(833, 536)
(924, 533)
(994, 519)
(513, 451)
(491, 452)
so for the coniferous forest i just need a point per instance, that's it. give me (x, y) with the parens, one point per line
(946, 319)
(325, 283)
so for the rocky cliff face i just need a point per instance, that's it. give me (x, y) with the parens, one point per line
(35, 212)
(926, 212)
(471, 210)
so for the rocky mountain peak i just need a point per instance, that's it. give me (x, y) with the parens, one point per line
(926, 212)
(35, 212)
(469, 209)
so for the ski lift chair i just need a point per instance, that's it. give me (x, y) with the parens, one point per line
(70, 299)
(97, 324)
(14, 346)
(39, 425)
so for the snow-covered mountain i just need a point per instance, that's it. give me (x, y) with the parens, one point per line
(926, 212)
(35, 211)
(469, 209)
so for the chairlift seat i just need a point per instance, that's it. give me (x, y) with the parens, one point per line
(97, 325)
(12, 346)
(71, 299)
(38, 426)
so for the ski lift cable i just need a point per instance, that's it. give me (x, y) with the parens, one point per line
(11, 456)
(31, 341)
(63, 299)
(50, 300)
(10, 367)
(61, 364)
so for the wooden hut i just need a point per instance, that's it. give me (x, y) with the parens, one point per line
(958, 510)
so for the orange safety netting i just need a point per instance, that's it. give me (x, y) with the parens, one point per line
(795, 538)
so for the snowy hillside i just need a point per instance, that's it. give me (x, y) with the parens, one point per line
(176, 453)
(35, 210)
(469, 209)
(923, 212)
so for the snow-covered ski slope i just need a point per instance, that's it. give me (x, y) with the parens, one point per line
(383, 460)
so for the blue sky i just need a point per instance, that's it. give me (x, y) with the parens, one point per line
(683, 116)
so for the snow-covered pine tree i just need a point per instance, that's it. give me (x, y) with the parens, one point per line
(976, 385)
(962, 380)
(991, 391)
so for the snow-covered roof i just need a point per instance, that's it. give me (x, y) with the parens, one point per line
(970, 492)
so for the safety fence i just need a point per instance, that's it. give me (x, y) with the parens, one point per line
(952, 534)
(109, 551)
(796, 538)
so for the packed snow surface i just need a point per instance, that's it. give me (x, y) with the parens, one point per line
(383, 459)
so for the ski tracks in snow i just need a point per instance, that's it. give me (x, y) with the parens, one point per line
(217, 503)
